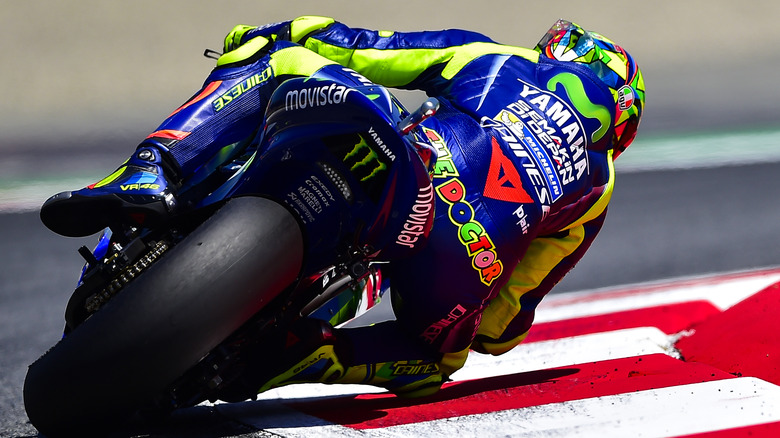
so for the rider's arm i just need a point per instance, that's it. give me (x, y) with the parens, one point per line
(413, 60)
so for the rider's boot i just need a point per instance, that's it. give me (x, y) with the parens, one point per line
(142, 192)
(290, 355)
(314, 352)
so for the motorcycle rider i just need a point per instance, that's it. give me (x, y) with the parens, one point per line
(526, 140)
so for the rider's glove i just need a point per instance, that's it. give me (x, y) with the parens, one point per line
(297, 31)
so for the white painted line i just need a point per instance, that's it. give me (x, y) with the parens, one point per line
(667, 411)
(661, 412)
(578, 349)
(555, 353)
(723, 295)
(575, 350)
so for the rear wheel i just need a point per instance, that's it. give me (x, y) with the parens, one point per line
(166, 320)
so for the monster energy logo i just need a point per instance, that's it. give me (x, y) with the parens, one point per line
(366, 162)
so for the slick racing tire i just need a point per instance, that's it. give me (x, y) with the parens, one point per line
(166, 320)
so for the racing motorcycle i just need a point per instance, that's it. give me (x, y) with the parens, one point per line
(295, 222)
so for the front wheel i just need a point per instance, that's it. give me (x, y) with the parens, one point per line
(166, 320)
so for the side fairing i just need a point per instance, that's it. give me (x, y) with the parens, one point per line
(331, 154)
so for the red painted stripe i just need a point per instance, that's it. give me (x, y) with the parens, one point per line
(210, 88)
(744, 339)
(535, 388)
(669, 318)
(169, 133)
(768, 430)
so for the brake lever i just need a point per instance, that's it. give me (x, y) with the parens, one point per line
(426, 110)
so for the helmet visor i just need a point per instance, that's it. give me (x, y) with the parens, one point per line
(567, 41)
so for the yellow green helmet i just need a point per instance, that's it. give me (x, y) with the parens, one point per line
(567, 41)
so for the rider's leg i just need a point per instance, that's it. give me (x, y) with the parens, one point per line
(314, 352)
(227, 110)
(436, 319)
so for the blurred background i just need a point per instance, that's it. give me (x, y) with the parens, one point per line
(99, 75)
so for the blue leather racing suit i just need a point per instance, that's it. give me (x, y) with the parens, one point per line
(522, 182)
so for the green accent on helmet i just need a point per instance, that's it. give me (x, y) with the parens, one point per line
(576, 92)
(614, 66)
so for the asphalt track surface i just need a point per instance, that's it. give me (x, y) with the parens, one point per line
(661, 224)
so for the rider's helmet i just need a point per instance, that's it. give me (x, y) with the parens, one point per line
(566, 41)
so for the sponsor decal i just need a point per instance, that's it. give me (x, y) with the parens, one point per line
(378, 141)
(233, 93)
(541, 181)
(415, 224)
(522, 219)
(503, 182)
(625, 97)
(310, 199)
(323, 193)
(363, 159)
(327, 277)
(324, 95)
(538, 154)
(127, 187)
(433, 332)
(549, 126)
(444, 167)
(309, 361)
(367, 157)
(575, 90)
(299, 205)
(471, 233)
(142, 181)
(412, 368)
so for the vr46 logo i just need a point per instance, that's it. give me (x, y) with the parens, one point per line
(471, 233)
(126, 187)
